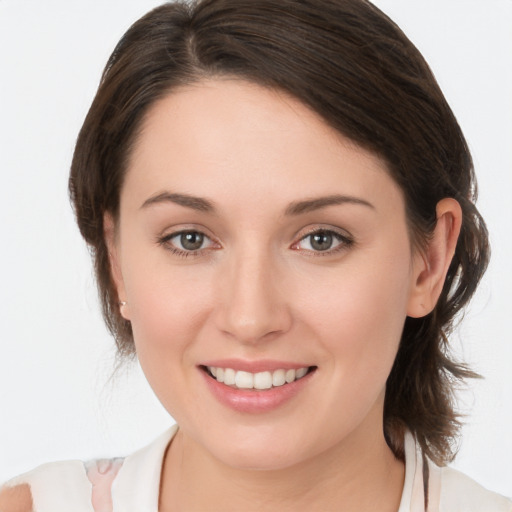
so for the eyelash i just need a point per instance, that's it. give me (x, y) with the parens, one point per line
(345, 242)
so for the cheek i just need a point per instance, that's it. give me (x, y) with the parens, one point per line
(168, 306)
(359, 314)
(167, 315)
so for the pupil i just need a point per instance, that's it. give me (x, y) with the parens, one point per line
(321, 241)
(191, 241)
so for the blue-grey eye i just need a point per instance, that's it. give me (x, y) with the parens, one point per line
(321, 241)
(191, 240)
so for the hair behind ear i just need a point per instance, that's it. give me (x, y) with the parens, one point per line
(420, 390)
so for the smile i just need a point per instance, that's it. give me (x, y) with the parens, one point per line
(256, 386)
(259, 381)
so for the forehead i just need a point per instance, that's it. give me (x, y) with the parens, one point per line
(234, 139)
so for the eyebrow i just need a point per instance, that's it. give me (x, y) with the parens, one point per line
(296, 208)
(300, 207)
(195, 203)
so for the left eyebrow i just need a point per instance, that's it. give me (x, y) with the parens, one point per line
(309, 205)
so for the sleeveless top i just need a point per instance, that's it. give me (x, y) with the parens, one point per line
(132, 484)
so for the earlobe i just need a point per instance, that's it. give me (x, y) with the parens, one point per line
(109, 230)
(431, 265)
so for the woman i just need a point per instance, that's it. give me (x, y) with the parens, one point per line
(280, 207)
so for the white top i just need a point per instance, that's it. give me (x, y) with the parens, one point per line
(132, 484)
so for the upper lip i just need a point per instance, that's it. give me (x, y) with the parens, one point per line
(262, 365)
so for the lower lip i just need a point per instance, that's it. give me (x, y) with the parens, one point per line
(254, 401)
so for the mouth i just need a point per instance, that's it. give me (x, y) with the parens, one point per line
(260, 381)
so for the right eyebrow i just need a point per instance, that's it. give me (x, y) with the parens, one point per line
(195, 203)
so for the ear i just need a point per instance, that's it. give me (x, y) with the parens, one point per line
(109, 232)
(431, 265)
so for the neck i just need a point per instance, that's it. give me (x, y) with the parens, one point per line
(360, 474)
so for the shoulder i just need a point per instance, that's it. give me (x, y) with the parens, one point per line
(70, 485)
(461, 493)
(443, 489)
(133, 483)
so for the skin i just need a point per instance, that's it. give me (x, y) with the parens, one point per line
(257, 289)
(16, 499)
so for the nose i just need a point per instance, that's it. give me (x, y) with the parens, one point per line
(253, 305)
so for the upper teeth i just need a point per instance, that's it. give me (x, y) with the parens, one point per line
(260, 380)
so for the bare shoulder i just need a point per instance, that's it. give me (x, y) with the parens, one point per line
(16, 499)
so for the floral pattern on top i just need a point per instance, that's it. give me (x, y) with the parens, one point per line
(101, 473)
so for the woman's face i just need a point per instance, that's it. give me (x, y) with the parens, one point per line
(255, 240)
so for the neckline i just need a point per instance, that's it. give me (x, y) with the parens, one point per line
(144, 467)
(137, 485)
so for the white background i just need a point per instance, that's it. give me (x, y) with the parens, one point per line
(57, 400)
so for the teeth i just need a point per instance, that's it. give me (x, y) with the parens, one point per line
(244, 380)
(260, 380)
(278, 378)
(229, 376)
(290, 376)
(300, 373)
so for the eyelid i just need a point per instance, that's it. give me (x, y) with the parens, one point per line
(171, 231)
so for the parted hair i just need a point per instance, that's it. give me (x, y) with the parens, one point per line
(352, 65)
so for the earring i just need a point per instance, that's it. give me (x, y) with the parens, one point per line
(122, 312)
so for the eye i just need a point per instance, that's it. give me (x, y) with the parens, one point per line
(185, 243)
(323, 241)
(189, 240)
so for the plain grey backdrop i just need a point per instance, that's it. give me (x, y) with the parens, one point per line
(56, 398)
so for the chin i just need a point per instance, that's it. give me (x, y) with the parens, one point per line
(260, 450)
(260, 461)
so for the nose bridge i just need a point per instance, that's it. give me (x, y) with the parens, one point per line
(251, 306)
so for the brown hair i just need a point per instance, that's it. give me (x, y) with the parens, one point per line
(352, 65)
